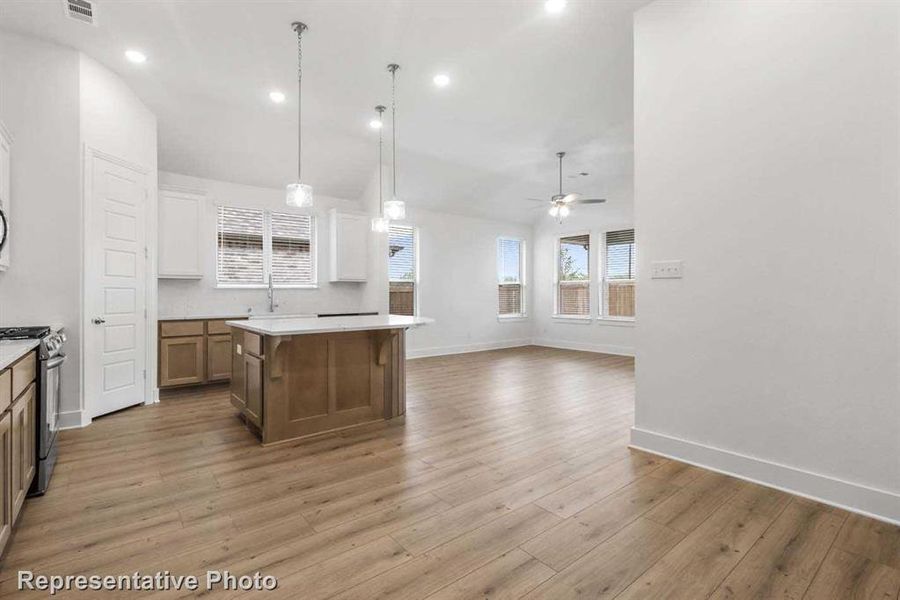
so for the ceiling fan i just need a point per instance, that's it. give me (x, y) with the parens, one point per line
(560, 204)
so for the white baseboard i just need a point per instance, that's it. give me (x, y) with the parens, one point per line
(871, 502)
(463, 349)
(585, 347)
(71, 420)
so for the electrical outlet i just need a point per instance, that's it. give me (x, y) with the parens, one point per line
(666, 269)
(238, 350)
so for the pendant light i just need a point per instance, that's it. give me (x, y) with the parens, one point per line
(395, 208)
(299, 194)
(380, 224)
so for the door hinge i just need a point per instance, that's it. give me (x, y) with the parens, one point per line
(146, 252)
(145, 374)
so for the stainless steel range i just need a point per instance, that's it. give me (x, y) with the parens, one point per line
(50, 359)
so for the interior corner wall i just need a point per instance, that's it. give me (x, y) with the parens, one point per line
(39, 104)
(767, 152)
(595, 335)
(457, 284)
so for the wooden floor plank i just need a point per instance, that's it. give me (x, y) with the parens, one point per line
(848, 576)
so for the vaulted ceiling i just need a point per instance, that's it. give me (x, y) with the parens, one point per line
(524, 84)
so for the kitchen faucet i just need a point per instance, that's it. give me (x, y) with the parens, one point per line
(270, 293)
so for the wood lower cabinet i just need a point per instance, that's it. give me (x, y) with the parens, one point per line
(182, 361)
(24, 455)
(18, 441)
(218, 357)
(6, 479)
(194, 352)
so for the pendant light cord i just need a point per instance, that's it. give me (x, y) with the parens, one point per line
(393, 68)
(380, 110)
(299, 28)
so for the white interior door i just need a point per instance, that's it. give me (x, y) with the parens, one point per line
(115, 329)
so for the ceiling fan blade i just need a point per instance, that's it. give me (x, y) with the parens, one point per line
(590, 201)
(573, 197)
(544, 200)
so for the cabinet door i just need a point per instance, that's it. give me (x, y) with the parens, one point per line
(218, 357)
(24, 458)
(6, 479)
(180, 217)
(253, 386)
(349, 247)
(182, 361)
(237, 371)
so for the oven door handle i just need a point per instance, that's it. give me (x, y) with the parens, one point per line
(56, 361)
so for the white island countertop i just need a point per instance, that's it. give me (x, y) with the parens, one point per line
(305, 325)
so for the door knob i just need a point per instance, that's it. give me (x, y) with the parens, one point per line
(98, 320)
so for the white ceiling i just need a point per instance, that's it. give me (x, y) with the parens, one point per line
(524, 85)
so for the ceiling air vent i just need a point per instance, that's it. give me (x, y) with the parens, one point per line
(81, 10)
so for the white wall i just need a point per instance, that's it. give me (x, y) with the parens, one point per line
(597, 334)
(766, 157)
(191, 297)
(458, 284)
(39, 103)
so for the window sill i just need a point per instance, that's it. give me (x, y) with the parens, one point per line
(511, 318)
(575, 319)
(225, 286)
(616, 321)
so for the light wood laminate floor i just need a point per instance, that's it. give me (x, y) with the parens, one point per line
(509, 478)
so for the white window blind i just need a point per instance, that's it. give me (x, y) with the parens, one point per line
(254, 244)
(509, 277)
(291, 249)
(402, 269)
(619, 280)
(240, 241)
(574, 276)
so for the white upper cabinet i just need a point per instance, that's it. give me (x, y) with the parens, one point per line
(180, 218)
(349, 246)
(5, 148)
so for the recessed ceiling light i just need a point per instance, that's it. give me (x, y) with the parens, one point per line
(554, 6)
(276, 96)
(375, 124)
(441, 80)
(136, 56)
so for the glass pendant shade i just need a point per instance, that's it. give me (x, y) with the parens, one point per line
(554, 210)
(299, 195)
(395, 210)
(563, 211)
(380, 224)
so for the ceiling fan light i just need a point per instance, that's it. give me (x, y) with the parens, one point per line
(554, 210)
(563, 211)
(381, 224)
(299, 195)
(395, 210)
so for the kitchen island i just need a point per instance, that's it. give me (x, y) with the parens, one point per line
(295, 377)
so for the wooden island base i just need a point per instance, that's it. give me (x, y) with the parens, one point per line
(292, 386)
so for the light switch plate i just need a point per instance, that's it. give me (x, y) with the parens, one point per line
(238, 349)
(666, 269)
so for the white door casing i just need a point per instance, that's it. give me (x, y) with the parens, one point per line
(115, 285)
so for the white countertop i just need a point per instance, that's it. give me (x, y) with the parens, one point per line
(303, 325)
(13, 350)
(202, 317)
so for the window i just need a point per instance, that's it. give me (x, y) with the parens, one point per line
(254, 244)
(619, 281)
(402, 269)
(573, 296)
(510, 280)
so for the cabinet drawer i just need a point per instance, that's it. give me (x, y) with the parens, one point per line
(218, 326)
(180, 328)
(252, 343)
(23, 373)
(5, 389)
